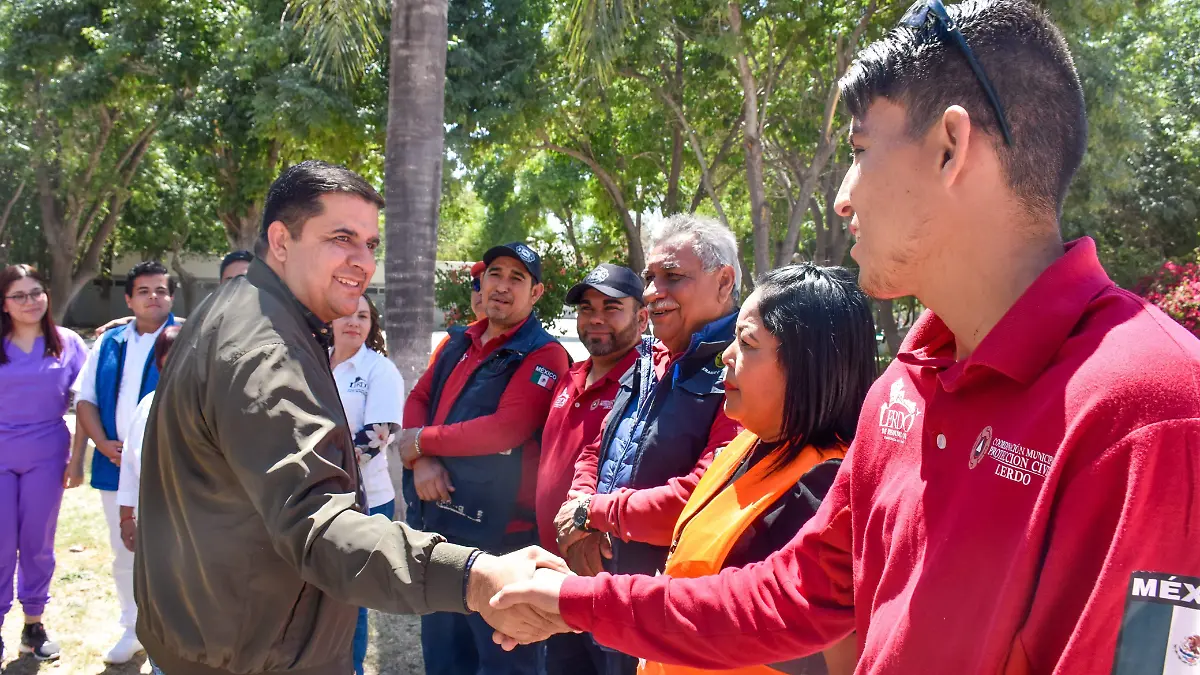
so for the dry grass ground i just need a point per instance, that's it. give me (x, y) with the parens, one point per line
(83, 608)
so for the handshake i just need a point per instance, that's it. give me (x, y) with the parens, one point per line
(517, 594)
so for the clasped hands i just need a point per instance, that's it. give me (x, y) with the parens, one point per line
(517, 594)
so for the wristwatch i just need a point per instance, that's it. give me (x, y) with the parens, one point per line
(581, 515)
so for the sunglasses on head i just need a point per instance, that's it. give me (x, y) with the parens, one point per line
(916, 17)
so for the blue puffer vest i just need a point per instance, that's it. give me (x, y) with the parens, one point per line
(110, 364)
(485, 487)
(662, 429)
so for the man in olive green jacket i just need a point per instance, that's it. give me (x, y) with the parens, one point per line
(253, 547)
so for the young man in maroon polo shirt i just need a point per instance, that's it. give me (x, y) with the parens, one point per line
(471, 447)
(1022, 492)
(611, 318)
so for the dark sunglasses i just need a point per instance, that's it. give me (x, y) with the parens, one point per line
(475, 284)
(919, 13)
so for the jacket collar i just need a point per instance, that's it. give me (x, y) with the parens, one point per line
(262, 276)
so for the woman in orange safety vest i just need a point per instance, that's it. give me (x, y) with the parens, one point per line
(796, 377)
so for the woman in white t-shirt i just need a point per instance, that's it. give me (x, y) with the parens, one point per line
(372, 393)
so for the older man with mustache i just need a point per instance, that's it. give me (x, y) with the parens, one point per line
(668, 419)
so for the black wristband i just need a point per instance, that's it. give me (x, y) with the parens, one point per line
(467, 577)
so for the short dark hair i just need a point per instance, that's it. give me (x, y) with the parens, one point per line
(1026, 58)
(295, 196)
(147, 268)
(826, 335)
(235, 256)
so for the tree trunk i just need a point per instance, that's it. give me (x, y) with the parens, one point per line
(9, 207)
(413, 177)
(568, 220)
(887, 323)
(671, 206)
(760, 211)
(187, 282)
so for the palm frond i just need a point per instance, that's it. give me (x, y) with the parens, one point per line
(597, 31)
(342, 37)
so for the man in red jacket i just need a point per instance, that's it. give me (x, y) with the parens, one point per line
(1021, 494)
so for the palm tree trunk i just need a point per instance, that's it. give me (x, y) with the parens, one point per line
(413, 177)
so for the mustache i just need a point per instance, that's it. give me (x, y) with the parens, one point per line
(662, 305)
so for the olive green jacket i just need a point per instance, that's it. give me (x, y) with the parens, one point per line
(253, 548)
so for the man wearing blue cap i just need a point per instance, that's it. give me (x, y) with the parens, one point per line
(472, 443)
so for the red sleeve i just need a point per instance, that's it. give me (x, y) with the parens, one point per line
(1127, 508)
(416, 406)
(587, 467)
(797, 602)
(521, 412)
(649, 515)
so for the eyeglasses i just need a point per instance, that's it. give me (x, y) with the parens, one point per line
(22, 298)
(919, 13)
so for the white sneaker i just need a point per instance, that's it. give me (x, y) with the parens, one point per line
(125, 649)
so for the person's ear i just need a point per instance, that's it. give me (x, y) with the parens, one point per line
(952, 140)
(725, 278)
(643, 319)
(278, 239)
(539, 289)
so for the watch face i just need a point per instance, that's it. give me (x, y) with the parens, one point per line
(581, 513)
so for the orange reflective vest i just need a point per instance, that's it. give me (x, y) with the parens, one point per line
(717, 515)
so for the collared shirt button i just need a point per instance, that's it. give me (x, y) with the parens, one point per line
(941, 441)
(577, 404)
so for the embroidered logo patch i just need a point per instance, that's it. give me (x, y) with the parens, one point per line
(359, 385)
(562, 399)
(525, 252)
(599, 274)
(543, 377)
(982, 443)
(897, 416)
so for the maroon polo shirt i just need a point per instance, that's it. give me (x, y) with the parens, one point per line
(1019, 511)
(576, 419)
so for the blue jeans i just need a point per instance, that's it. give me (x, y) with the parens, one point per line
(360, 630)
(461, 644)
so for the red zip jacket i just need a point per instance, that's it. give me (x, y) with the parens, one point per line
(990, 515)
(648, 515)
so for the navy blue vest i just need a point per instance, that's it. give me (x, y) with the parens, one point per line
(659, 428)
(485, 487)
(110, 365)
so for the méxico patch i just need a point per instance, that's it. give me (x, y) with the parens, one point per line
(543, 377)
(1160, 630)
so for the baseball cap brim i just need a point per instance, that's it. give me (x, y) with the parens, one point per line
(575, 295)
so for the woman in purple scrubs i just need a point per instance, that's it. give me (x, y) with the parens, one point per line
(38, 363)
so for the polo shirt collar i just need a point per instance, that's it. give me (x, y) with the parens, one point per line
(579, 371)
(1032, 331)
(476, 330)
(355, 361)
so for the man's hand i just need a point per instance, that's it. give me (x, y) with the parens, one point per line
(520, 624)
(129, 533)
(113, 324)
(539, 595)
(73, 476)
(407, 445)
(564, 525)
(586, 556)
(432, 480)
(111, 450)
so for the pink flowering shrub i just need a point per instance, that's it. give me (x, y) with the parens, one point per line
(1175, 289)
